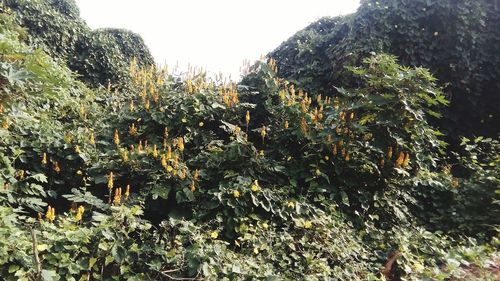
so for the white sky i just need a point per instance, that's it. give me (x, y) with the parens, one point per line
(216, 35)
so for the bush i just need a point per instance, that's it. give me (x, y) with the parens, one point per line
(183, 177)
(454, 39)
(99, 57)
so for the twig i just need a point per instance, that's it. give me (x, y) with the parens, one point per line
(170, 277)
(172, 270)
(36, 259)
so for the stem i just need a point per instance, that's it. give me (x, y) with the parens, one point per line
(36, 259)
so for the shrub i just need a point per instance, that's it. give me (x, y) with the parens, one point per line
(184, 177)
(99, 57)
(454, 39)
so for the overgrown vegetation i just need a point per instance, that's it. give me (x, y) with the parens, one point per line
(98, 56)
(165, 177)
(456, 40)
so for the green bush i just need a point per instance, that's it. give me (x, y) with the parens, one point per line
(454, 39)
(182, 177)
(99, 57)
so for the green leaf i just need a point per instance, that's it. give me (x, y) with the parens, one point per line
(40, 178)
(109, 259)
(49, 275)
(13, 268)
(92, 261)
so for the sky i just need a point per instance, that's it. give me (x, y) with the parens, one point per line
(217, 35)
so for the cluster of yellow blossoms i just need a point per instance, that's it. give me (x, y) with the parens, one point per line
(402, 161)
(117, 198)
(79, 213)
(229, 95)
(50, 216)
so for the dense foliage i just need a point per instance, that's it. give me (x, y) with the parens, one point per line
(165, 177)
(456, 39)
(98, 56)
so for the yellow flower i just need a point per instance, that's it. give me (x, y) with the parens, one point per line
(92, 138)
(56, 167)
(317, 172)
(51, 214)
(176, 161)
(127, 191)
(255, 186)
(256, 250)
(77, 149)
(327, 157)
(261, 152)
(82, 111)
(118, 196)
(20, 174)
(263, 132)
(290, 204)
(183, 173)
(307, 224)
(389, 152)
(282, 95)
(406, 160)
(169, 168)
(163, 161)
(68, 138)
(247, 117)
(124, 154)
(44, 159)
(155, 152)
(169, 153)
(140, 147)
(116, 137)
(400, 159)
(193, 186)
(110, 181)
(265, 225)
(236, 194)
(214, 235)
(131, 106)
(132, 130)
(181, 144)
(184, 120)
(286, 124)
(79, 213)
(201, 124)
(5, 124)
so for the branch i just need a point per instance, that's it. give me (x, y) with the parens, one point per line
(36, 259)
(170, 277)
